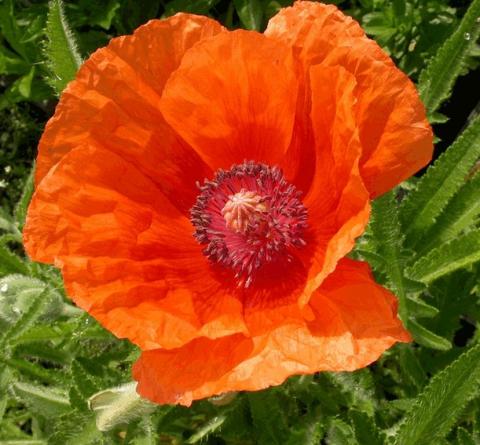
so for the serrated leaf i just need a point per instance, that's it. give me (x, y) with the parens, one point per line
(366, 431)
(341, 433)
(438, 407)
(203, 432)
(26, 320)
(464, 437)
(43, 351)
(17, 293)
(42, 333)
(438, 118)
(33, 370)
(84, 383)
(61, 50)
(268, 418)
(250, 13)
(411, 367)
(437, 79)
(148, 435)
(461, 212)
(308, 431)
(447, 258)
(419, 309)
(75, 428)
(357, 387)
(435, 189)
(388, 238)
(46, 401)
(427, 338)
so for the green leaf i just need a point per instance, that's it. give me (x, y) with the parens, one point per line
(7, 224)
(103, 13)
(438, 407)
(268, 418)
(211, 426)
(58, 331)
(22, 205)
(24, 442)
(118, 405)
(46, 401)
(43, 352)
(250, 13)
(447, 258)
(388, 239)
(84, 384)
(18, 292)
(419, 309)
(438, 118)
(193, 6)
(11, 263)
(435, 189)
(24, 84)
(411, 368)
(460, 213)
(340, 433)
(464, 437)
(378, 25)
(358, 388)
(366, 431)
(308, 431)
(75, 428)
(134, 13)
(26, 320)
(19, 90)
(61, 50)
(11, 31)
(148, 434)
(427, 338)
(30, 369)
(437, 79)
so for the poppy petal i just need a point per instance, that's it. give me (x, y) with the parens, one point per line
(114, 102)
(337, 202)
(126, 253)
(233, 98)
(354, 322)
(395, 135)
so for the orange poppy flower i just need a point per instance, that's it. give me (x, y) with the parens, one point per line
(239, 280)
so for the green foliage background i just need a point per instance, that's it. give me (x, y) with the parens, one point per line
(423, 243)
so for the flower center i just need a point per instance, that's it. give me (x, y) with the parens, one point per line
(247, 217)
(243, 209)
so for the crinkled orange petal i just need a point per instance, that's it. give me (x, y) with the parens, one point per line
(354, 322)
(233, 98)
(337, 201)
(335, 218)
(395, 135)
(114, 103)
(127, 254)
